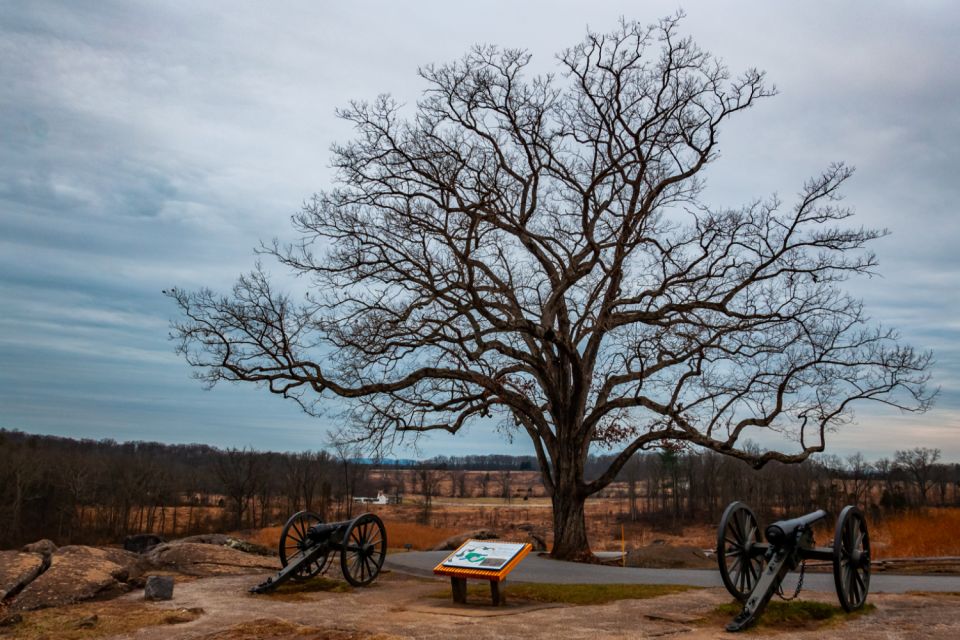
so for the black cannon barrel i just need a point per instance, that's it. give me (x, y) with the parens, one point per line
(783, 531)
(327, 528)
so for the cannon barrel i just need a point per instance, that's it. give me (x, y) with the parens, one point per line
(784, 531)
(327, 528)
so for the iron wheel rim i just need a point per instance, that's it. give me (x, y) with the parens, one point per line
(740, 567)
(364, 550)
(851, 559)
(292, 541)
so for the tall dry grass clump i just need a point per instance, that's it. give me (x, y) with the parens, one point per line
(917, 534)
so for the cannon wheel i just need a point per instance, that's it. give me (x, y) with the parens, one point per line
(363, 550)
(740, 568)
(851, 558)
(293, 538)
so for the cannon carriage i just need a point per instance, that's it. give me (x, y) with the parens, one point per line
(753, 570)
(308, 547)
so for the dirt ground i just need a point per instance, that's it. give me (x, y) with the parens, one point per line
(400, 606)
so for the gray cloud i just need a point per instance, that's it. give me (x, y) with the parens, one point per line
(147, 145)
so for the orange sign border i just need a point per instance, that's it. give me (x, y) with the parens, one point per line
(482, 574)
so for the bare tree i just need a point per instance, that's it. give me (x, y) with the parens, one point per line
(484, 484)
(918, 463)
(858, 478)
(887, 471)
(429, 487)
(238, 470)
(632, 472)
(347, 453)
(535, 248)
(505, 480)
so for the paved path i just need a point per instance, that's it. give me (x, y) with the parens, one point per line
(541, 569)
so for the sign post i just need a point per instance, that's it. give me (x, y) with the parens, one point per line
(481, 560)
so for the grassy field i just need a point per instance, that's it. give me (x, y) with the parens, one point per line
(923, 533)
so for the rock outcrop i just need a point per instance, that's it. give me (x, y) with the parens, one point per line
(453, 542)
(223, 540)
(43, 547)
(142, 542)
(17, 570)
(78, 573)
(198, 559)
(45, 576)
(660, 556)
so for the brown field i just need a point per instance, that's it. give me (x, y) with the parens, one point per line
(924, 533)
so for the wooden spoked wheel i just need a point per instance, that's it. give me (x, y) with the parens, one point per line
(363, 549)
(851, 558)
(740, 563)
(293, 540)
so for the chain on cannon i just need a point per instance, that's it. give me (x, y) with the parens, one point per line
(753, 570)
(307, 545)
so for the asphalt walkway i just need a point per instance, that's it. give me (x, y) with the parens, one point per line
(535, 568)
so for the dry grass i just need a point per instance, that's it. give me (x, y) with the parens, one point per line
(297, 591)
(94, 620)
(917, 534)
(577, 594)
(268, 537)
(795, 615)
(419, 536)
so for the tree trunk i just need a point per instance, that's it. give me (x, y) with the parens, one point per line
(569, 527)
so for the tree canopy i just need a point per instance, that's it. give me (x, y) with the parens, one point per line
(536, 249)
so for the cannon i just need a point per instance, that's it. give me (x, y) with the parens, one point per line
(308, 546)
(753, 570)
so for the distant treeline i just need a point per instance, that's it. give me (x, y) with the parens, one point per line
(492, 462)
(682, 486)
(695, 486)
(100, 491)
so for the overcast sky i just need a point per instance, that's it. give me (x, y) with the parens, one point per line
(147, 145)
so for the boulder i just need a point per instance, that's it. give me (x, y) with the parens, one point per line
(43, 547)
(218, 539)
(142, 542)
(527, 532)
(222, 540)
(78, 573)
(662, 556)
(537, 541)
(18, 569)
(250, 547)
(158, 588)
(454, 542)
(198, 559)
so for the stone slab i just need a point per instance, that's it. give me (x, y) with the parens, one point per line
(17, 570)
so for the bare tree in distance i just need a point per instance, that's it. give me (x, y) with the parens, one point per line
(918, 464)
(238, 471)
(858, 478)
(535, 250)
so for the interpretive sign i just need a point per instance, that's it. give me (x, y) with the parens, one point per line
(482, 554)
(481, 560)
